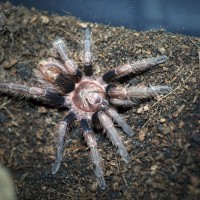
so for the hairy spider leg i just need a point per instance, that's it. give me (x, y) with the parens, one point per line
(119, 120)
(137, 92)
(123, 102)
(33, 92)
(134, 67)
(63, 129)
(87, 60)
(130, 96)
(61, 49)
(55, 76)
(96, 159)
(112, 134)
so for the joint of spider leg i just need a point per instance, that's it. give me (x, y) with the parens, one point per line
(70, 118)
(87, 60)
(60, 47)
(104, 105)
(108, 76)
(122, 102)
(117, 92)
(118, 72)
(123, 70)
(88, 133)
(88, 69)
(119, 99)
(37, 91)
(70, 64)
(55, 98)
(134, 67)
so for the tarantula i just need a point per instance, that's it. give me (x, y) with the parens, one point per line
(90, 100)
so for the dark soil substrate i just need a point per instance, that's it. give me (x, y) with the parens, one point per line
(165, 151)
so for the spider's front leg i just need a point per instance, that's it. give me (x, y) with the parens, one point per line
(63, 128)
(117, 92)
(60, 48)
(135, 67)
(87, 56)
(91, 142)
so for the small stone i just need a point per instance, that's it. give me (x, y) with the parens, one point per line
(94, 187)
(162, 50)
(165, 69)
(140, 110)
(42, 110)
(33, 19)
(48, 120)
(142, 135)
(163, 129)
(146, 108)
(179, 110)
(148, 52)
(138, 45)
(8, 64)
(162, 120)
(195, 180)
(181, 124)
(45, 19)
(154, 168)
(44, 188)
(136, 34)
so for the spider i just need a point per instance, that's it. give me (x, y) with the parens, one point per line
(91, 100)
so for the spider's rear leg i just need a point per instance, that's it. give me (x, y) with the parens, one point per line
(33, 92)
(63, 128)
(119, 120)
(91, 142)
(112, 134)
(135, 67)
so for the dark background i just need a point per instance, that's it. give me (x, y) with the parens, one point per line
(177, 16)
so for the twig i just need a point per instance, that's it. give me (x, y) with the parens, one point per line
(2, 106)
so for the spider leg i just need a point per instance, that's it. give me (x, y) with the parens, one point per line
(123, 102)
(87, 52)
(61, 49)
(34, 92)
(63, 128)
(112, 134)
(54, 75)
(137, 92)
(119, 120)
(91, 142)
(135, 67)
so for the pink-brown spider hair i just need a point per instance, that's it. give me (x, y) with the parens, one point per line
(91, 100)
